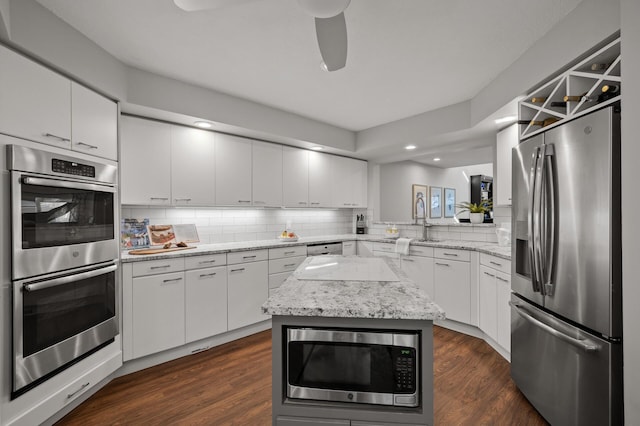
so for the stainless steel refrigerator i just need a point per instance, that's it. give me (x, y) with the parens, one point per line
(566, 303)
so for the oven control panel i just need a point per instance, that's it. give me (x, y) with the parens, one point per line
(72, 168)
(405, 370)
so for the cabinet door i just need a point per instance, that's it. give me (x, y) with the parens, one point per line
(364, 248)
(233, 170)
(267, 174)
(320, 180)
(157, 313)
(94, 123)
(192, 166)
(359, 183)
(487, 302)
(248, 285)
(35, 102)
(295, 177)
(349, 248)
(342, 182)
(505, 141)
(145, 163)
(503, 295)
(206, 303)
(420, 270)
(452, 288)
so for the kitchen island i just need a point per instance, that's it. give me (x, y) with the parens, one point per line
(358, 296)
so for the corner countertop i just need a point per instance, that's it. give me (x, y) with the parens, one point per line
(305, 294)
(494, 249)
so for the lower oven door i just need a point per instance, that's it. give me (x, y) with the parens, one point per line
(60, 318)
(353, 366)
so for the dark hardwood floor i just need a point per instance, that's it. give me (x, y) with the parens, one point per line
(231, 385)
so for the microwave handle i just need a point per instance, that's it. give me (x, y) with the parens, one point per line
(40, 285)
(61, 183)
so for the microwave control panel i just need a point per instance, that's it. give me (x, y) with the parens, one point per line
(72, 168)
(405, 370)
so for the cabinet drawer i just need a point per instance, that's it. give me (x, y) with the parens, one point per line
(247, 256)
(206, 261)
(421, 251)
(285, 265)
(496, 263)
(386, 247)
(452, 254)
(160, 266)
(276, 280)
(280, 252)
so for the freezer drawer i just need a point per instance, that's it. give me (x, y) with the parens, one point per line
(570, 377)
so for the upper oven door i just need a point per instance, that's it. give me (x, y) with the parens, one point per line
(60, 223)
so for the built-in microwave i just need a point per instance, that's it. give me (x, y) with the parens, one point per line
(364, 366)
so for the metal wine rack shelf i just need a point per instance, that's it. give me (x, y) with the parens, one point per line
(580, 80)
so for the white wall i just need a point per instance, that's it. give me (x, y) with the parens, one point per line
(630, 33)
(396, 180)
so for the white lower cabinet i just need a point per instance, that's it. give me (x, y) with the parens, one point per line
(248, 287)
(452, 286)
(158, 313)
(494, 295)
(420, 270)
(487, 299)
(349, 248)
(206, 302)
(364, 248)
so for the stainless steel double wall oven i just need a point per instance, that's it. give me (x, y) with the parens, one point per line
(64, 261)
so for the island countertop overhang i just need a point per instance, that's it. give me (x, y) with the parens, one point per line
(398, 299)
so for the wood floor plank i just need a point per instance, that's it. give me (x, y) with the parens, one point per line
(231, 385)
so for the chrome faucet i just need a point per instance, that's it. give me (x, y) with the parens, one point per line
(425, 230)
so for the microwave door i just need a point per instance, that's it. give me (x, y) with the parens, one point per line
(527, 163)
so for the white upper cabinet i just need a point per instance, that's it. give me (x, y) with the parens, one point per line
(505, 141)
(267, 174)
(295, 177)
(349, 182)
(320, 180)
(233, 170)
(192, 166)
(94, 123)
(145, 166)
(35, 103)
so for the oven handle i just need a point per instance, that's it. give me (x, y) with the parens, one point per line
(35, 286)
(62, 183)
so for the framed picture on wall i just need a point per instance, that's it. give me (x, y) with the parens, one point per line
(435, 205)
(449, 202)
(419, 204)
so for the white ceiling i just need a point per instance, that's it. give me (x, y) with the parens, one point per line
(405, 57)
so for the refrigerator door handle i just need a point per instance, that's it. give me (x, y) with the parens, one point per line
(584, 344)
(548, 265)
(530, 220)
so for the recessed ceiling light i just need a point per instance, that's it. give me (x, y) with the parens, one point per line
(436, 159)
(317, 148)
(506, 119)
(410, 147)
(203, 124)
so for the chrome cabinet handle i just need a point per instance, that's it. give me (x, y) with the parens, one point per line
(249, 257)
(502, 279)
(313, 203)
(208, 275)
(491, 275)
(159, 267)
(450, 254)
(204, 262)
(495, 263)
(72, 394)
(182, 199)
(407, 259)
(257, 202)
(302, 202)
(442, 264)
(237, 270)
(244, 201)
(89, 146)
(171, 280)
(159, 198)
(60, 138)
(289, 252)
(289, 265)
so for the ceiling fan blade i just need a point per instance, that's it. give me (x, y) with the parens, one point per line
(332, 41)
(196, 5)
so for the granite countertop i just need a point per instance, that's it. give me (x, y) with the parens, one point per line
(344, 290)
(201, 249)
